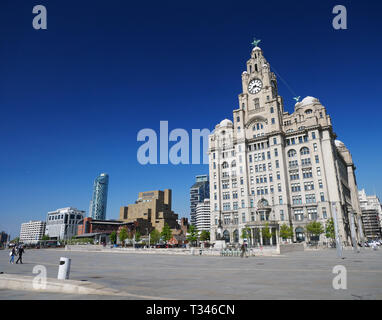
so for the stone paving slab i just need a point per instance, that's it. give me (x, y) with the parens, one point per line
(297, 275)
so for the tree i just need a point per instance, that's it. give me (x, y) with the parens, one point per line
(205, 235)
(137, 236)
(192, 234)
(16, 240)
(166, 233)
(45, 237)
(314, 229)
(246, 234)
(267, 234)
(123, 235)
(286, 232)
(329, 230)
(154, 236)
(113, 237)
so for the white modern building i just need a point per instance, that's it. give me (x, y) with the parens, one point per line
(62, 224)
(371, 215)
(32, 232)
(269, 167)
(202, 215)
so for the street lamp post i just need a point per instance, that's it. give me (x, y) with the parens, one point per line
(353, 234)
(338, 242)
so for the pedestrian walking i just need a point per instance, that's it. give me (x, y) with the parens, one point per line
(12, 254)
(21, 252)
(243, 251)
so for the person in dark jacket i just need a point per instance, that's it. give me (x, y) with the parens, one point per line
(21, 251)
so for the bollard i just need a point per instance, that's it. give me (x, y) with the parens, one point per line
(64, 269)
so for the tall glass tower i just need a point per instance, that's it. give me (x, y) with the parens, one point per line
(98, 203)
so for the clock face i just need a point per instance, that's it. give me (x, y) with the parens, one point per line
(255, 86)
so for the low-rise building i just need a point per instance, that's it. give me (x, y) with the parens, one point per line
(32, 232)
(100, 230)
(151, 210)
(62, 224)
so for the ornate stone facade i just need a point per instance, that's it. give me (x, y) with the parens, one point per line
(269, 167)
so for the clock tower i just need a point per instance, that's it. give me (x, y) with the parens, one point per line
(260, 105)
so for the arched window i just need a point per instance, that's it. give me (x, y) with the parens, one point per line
(304, 151)
(300, 236)
(226, 236)
(236, 236)
(233, 164)
(292, 153)
(225, 165)
(309, 111)
(258, 126)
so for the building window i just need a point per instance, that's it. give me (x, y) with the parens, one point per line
(315, 146)
(243, 217)
(292, 153)
(273, 121)
(272, 110)
(319, 172)
(320, 185)
(299, 215)
(274, 140)
(296, 187)
(294, 175)
(313, 135)
(257, 103)
(277, 164)
(324, 214)
(307, 173)
(276, 153)
(280, 199)
(317, 159)
(304, 151)
(282, 218)
(312, 214)
(226, 206)
(297, 199)
(310, 198)
(308, 186)
(322, 196)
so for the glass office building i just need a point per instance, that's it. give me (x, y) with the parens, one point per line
(99, 201)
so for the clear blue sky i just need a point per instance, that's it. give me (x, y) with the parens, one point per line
(73, 97)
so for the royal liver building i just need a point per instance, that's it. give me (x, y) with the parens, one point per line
(269, 167)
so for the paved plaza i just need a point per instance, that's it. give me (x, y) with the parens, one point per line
(297, 275)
